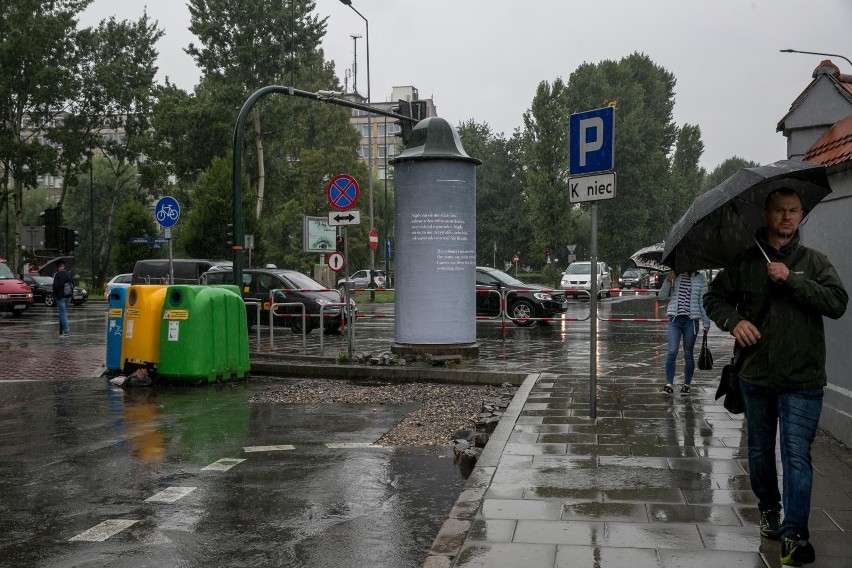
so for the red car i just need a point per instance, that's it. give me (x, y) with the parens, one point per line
(15, 296)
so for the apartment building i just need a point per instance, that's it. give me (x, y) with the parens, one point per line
(386, 143)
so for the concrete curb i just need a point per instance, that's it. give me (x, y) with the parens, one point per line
(329, 369)
(450, 538)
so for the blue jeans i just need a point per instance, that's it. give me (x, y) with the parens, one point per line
(62, 306)
(684, 328)
(798, 412)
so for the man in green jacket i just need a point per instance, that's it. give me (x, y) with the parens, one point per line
(774, 310)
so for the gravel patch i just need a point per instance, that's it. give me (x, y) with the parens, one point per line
(444, 409)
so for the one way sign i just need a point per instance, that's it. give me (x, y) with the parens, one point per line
(338, 218)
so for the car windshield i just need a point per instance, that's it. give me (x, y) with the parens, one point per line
(579, 268)
(631, 274)
(43, 279)
(504, 278)
(5, 271)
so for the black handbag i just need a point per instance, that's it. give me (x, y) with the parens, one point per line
(729, 387)
(705, 357)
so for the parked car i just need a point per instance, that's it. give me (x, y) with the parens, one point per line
(578, 276)
(258, 286)
(361, 279)
(118, 281)
(633, 278)
(656, 279)
(186, 270)
(531, 301)
(15, 295)
(42, 287)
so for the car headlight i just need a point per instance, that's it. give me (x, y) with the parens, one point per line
(323, 301)
(544, 297)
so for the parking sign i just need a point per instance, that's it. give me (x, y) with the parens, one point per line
(592, 141)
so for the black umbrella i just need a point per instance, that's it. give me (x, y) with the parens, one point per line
(650, 257)
(722, 222)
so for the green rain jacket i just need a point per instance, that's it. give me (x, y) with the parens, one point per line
(790, 353)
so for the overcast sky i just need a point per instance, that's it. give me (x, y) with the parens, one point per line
(483, 59)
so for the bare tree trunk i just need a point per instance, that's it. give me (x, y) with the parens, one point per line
(18, 209)
(261, 174)
(106, 244)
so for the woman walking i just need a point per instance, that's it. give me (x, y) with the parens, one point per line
(685, 311)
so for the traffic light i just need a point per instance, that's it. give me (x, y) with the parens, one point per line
(229, 233)
(339, 243)
(70, 240)
(52, 230)
(404, 130)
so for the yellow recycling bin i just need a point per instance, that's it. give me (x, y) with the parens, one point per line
(140, 344)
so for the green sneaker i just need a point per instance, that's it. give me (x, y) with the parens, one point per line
(770, 524)
(796, 551)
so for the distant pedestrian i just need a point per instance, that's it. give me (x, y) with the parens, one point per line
(63, 290)
(686, 312)
(774, 310)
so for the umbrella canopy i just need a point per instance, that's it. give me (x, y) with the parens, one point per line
(650, 257)
(721, 223)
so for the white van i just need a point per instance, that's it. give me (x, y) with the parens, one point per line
(578, 277)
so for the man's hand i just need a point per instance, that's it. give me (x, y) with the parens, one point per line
(746, 333)
(778, 271)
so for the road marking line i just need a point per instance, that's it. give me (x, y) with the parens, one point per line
(170, 494)
(223, 464)
(104, 530)
(279, 448)
(347, 445)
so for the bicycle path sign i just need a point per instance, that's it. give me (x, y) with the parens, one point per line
(342, 192)
(167, 211)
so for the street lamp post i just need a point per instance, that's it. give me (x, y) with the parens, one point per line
(811, 53)
(369, 128)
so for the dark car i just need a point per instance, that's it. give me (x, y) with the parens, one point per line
(634, 278)
(523, 300)
(266, 285)
(42, 287)
(15, 296)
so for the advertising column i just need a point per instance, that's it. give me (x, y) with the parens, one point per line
(435, 220)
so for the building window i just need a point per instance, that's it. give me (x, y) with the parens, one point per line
(382, 172)
(382, 150)
(383, 131)
(391, 151)
(365, 151)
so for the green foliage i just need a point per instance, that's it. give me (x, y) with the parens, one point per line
(202, 235)
(132, 220)
(501, 204)
(725, 170)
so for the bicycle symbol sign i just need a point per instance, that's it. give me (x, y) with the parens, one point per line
(167, 211)
(342, 192)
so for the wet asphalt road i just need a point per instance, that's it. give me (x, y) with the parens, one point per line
(93, 475)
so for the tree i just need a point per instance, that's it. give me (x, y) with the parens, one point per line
(643, 94)
(686, 174)
(125, 72)
(501, 204)
(132, 219)
(725, 170)
(37, 56)
(250, 44)
(545, 161)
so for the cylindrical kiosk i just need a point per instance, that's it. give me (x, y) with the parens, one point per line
(115, 325)
(435, 229)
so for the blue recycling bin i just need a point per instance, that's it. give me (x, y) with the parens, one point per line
(115, 324)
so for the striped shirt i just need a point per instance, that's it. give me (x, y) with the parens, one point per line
(683, 296)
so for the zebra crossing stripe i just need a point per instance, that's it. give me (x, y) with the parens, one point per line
(104, 530)
(349, 445)
(279, 448)
(223, 464)
(170, 494)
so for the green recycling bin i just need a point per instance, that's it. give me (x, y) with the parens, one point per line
(203, 334)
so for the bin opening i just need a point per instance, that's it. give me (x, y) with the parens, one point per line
(175, 298)
(131, 297)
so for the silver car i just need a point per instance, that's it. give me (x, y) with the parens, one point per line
(578, 276)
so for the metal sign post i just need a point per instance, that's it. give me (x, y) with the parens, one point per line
(167, 213)
(592, 149)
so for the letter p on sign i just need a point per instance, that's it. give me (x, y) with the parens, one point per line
(592, 141)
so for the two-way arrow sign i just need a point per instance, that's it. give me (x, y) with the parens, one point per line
(338, 218)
